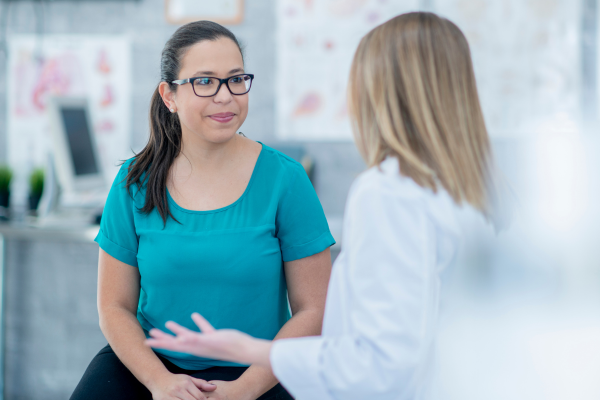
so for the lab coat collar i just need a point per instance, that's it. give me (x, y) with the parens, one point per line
(390, 166)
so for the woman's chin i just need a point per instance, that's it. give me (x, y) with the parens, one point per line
(218, 136)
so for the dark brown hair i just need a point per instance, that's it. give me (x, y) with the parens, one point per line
(150, 167)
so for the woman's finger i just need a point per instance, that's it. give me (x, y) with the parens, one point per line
(160, 343)
(202, 323)
(168, 344)
(194, 391)
(191, 393)
(158, 334)
(178, 329)
(203, 385)
(184, 395)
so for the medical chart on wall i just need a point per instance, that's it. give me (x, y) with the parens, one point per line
(225, 12)
(526, 55)
(316, 40)
(95, 67)
(525, 52)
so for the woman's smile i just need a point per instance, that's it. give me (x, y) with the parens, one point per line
(222, 117)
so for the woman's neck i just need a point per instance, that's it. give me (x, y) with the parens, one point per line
(201, 155)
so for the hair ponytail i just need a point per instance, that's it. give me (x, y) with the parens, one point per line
(153, 163)
(151, 166)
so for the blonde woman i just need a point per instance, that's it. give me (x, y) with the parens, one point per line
(419, 126)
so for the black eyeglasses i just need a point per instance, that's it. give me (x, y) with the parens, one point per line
(208, 86)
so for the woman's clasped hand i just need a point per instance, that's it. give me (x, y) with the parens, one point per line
(185, 387)
(180, 386)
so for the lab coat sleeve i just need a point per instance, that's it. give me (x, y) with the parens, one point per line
(386, 239)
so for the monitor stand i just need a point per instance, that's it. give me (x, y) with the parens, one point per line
(58, 209)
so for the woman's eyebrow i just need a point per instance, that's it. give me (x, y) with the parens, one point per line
(212, 73)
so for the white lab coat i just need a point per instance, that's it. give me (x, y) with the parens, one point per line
(383, 299)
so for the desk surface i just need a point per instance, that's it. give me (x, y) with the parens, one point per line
(84, 233)
(87, 233)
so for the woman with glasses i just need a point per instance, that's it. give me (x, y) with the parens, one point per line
(204, 219)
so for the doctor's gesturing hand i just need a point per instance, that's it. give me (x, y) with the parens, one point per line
(222, 344)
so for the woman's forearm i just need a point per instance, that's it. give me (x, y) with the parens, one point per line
(126, 337)
(259, 378)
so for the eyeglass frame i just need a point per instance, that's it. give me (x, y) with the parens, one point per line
(221, 82)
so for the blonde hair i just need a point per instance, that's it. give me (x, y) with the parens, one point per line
(412, 95)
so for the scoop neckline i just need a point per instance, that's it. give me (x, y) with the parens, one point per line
(177, 206)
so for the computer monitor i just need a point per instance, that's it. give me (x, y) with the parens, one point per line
(75, 153)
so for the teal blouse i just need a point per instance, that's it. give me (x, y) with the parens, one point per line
(226, 264)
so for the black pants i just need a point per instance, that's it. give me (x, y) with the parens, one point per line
(106, 378)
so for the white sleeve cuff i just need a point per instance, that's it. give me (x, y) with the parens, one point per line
(295, 363)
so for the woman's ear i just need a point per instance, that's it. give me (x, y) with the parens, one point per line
(168, 96)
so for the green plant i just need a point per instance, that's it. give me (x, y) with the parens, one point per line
(36, 182)
(5, 178)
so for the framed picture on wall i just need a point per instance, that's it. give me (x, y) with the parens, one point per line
(226, 12)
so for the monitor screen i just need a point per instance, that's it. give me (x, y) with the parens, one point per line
(80, 141)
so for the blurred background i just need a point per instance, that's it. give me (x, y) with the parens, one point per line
(521, 308)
